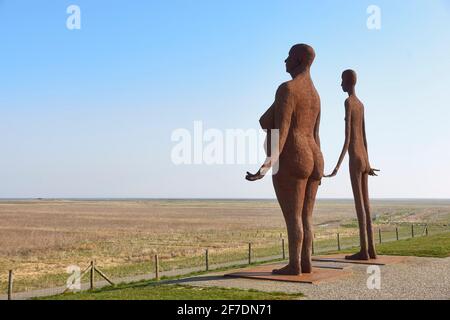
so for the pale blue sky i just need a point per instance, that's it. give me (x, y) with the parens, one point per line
(90, 112)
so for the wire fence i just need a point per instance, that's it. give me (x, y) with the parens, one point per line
(206, 259)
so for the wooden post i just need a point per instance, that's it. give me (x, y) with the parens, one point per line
(313, 247)
(426, 230)
(284, 251)
(249, 253)
(339, 242)
(104, 276)
(379, 234)
(396, 233)
(207, 259)
(412, 231)
(10, 284)
(92, 276)
(156, 267)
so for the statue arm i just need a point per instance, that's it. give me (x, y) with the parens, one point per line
(372, 171)
(348, 122)
(364, 135)
(317, 129)
(283, 110)
(348, 130)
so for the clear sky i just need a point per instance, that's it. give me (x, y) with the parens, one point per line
(90, 112)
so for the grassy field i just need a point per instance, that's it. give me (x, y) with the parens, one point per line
(435, 246)
(41, 238)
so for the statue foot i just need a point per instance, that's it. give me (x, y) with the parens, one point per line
(307, 267)
(372, 254)
(358, 256)
(288, 270)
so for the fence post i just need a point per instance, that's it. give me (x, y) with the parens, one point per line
(379, 234)
(207, 259)
(10, 284)
(339, 242)
(104, 276)
(284, 251)
(156, 267)
(396, 233)
(412, 231)
(250, 253)
(426, 230)
(92, 275)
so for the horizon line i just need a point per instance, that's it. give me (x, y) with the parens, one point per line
(198, 198)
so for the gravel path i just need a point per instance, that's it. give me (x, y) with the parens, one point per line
(419, 278)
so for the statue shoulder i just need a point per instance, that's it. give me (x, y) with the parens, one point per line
(350, 102)
(286, 86)
(354, 103)
(285, 89)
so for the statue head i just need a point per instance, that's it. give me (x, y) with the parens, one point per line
(349, 80)
(301, 57)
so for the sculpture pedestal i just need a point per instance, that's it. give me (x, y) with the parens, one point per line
(380, 261)
(265, 273)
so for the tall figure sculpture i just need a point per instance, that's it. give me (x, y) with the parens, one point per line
(360, 169)
(297, 155)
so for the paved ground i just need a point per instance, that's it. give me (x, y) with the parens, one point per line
(419, 278)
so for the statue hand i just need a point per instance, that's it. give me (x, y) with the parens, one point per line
(254, 177)
(335, 171)
(372, 172)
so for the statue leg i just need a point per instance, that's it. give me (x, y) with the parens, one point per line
(370, 240)
(290, 194)
(308, 207)
(356, 178)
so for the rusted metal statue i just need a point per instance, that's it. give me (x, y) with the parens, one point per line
(360, 169)
(297, 155)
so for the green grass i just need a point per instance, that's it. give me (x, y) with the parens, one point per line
(148, 291)
(437, 246)
(432, 246)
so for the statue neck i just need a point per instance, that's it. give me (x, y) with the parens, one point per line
(300, 70)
